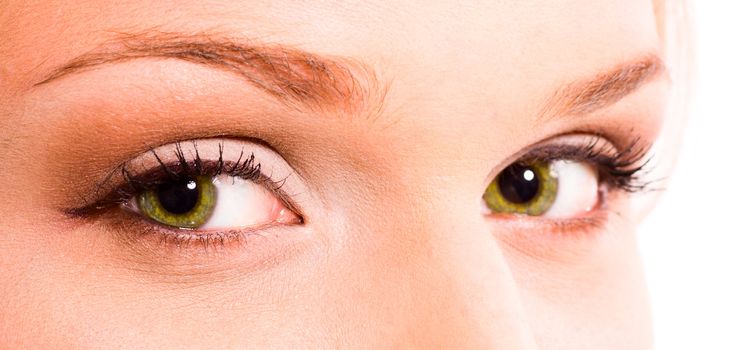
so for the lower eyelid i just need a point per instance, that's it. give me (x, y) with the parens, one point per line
(163, 250)
(556, 241)
(132, 229)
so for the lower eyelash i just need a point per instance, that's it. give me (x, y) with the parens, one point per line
(255, 247)
(566, 240)
(185, 239)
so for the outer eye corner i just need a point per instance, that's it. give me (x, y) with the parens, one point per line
(289, 217)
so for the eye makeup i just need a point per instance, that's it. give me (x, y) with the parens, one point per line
(132, 192)
(626, 169)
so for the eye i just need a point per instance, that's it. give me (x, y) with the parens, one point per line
(551, 188)
(213, 186)
(211, 203)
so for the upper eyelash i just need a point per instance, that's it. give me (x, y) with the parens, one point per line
(245, 167)
(625, 170)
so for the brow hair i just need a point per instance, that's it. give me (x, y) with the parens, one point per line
(295, 77)
(585, 96)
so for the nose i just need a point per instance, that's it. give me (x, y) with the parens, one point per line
(425, 270)
(473, 301)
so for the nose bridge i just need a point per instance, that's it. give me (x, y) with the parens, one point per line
(478, 305)
(454, 287)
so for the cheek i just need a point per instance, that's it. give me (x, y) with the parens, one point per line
(95, 300)
(44, 287)
(591, 289)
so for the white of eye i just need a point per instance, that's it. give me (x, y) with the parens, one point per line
(242, 203)
(578, 188)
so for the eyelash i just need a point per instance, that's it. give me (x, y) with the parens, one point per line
(246, 168)
(130, 227)
(626, 170)
(623, 170)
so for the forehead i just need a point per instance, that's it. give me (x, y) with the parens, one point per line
(499, 37)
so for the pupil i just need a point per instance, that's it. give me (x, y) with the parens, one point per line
(519, 183)
(179, 197)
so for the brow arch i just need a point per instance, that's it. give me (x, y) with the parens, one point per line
(295, 77)
(587, 95)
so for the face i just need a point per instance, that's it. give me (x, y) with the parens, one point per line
(299, 174)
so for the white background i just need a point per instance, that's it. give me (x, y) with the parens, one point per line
(691, 242)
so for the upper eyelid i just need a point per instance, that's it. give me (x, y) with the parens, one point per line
(175, 171)
(194, 166)
(554, 147)
(564, 152)
(633, 156)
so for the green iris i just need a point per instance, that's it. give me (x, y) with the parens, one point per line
(528, 188)
(186, 203)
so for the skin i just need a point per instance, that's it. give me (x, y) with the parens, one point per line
(395, 251)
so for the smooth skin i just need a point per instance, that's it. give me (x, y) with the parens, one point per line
(395, 251)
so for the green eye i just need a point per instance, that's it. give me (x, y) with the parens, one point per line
(528, 188)
(186, 203)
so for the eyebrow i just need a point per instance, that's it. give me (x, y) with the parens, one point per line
(305, 80)
(604, 89)
(296, 78)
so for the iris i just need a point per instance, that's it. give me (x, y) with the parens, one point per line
(528, 188)
(186, 203)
